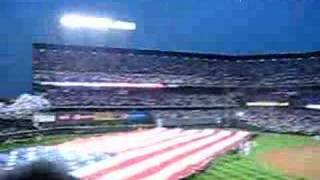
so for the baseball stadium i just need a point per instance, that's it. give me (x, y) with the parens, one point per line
(131, 113)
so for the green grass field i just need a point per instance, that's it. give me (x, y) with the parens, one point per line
(240, 167)
(229, 167)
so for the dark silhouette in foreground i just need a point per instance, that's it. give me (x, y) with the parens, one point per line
(40, 170)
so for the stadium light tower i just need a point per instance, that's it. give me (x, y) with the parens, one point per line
(75, 21)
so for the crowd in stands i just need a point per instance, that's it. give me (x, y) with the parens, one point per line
(138, 97)
(218, 72)
(283, 120)
(265, 119)
(189, 117)
(292, 80)
(23, 107)
(180, 97)
(184, 80)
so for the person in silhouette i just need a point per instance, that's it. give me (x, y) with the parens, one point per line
(40, 170)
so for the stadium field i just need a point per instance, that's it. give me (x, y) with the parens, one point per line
(237, 166)
(254, 166)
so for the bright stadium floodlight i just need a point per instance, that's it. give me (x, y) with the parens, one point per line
(96, 23)
(313, 106)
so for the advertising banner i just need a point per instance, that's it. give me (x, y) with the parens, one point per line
(75, 116)
(111, 116)
(43, 117)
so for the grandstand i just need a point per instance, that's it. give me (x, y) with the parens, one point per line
(267, 92)
(166, 115)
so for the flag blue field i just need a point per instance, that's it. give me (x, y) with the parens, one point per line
(71, 160)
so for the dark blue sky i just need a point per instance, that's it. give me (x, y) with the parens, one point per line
(218, 26)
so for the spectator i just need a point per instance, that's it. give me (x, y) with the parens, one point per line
(41, 170)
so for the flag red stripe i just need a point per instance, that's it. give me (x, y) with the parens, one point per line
(201, 165)
(132, 161)
(151, 170)
(185, 134)
(82, 141)
(154, 143)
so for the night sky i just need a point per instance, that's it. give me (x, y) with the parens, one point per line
(217, 26)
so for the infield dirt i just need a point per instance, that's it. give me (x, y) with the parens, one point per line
(300, 161)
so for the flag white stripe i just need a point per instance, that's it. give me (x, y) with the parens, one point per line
(112, 143)
(189, 135)
(157, 154)
(120, 144)
(108, 163)
(194, 159)
(158, 138)
(90, 139)
(140, 166)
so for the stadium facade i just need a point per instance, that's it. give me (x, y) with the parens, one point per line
(267, 92)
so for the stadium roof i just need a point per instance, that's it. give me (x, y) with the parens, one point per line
(159, 53)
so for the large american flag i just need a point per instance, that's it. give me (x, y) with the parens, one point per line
(157, 153)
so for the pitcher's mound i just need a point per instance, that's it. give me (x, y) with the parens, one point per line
(302, 161)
